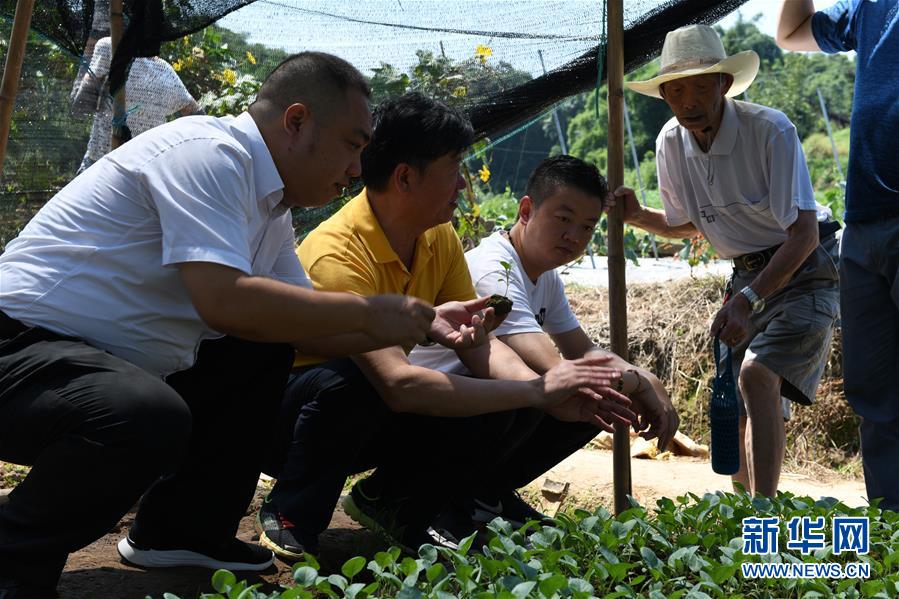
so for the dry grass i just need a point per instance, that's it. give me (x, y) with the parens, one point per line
(668, 331)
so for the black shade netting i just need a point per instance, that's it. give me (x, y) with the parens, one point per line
(70, 24)
(504, 62)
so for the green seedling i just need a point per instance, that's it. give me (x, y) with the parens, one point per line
(501, 304)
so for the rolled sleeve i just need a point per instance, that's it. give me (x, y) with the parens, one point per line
(834, 27)
(202, 210)
(790, 187)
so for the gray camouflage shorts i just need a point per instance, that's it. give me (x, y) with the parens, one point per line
(792, 335)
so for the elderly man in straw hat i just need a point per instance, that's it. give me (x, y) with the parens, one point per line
(735, 172)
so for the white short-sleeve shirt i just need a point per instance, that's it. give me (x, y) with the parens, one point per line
(747, 189)
(97, 261)
(536, 307)
(153, 92)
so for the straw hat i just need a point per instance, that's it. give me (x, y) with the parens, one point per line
(697, 50)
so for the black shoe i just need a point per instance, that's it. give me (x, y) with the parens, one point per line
(235, 555)
(509, 506)
(278, 533)
(382, 519)
(11, 588)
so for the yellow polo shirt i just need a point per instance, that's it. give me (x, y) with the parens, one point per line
(350, 252)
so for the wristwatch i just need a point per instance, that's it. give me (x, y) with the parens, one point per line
(755, 302)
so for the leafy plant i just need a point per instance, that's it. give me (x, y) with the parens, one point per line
(697, 250)
(500, 303)
(687, 547)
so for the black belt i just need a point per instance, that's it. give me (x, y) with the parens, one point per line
(755, 260)
(758, 260)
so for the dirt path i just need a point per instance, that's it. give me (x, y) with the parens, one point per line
(97, 571)
(590, 475)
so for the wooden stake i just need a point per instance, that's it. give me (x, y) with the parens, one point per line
(116, 30)
(617, 286)
(15, 55)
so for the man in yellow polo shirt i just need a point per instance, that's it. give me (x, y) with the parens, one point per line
(425, 431)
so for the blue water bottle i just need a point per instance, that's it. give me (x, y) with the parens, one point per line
(724, 416)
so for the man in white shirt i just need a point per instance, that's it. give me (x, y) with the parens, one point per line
(147, 314)
(557, 215)
(153, 93)
(735, 172)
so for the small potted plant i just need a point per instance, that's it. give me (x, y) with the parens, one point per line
(501, 304)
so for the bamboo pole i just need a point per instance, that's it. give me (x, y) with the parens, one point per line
(617, 286)
(116, 30)
(15, 55)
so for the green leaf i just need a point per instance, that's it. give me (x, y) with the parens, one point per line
(522, 590)
(338, 581)
(428, 554)
(353, 566)
(435, 573)
(408, 592)
(579, 585)
(550, 586)
(305, 576)
(354, 589)
(223, 580)
(650, 558)
(384, 559)
(409, 566)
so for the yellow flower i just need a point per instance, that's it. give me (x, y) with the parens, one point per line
(229, 76)
(460, 91)
(250, 58)
(177, 65)
(484, 173)
(482, 52)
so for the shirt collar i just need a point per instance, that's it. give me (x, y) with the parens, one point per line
(725, 139)
(267, 182)
(374, 238)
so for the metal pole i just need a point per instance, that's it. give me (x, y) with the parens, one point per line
(617, 284)
(562, 143)
(630, 136)
(15, 55)
(116, 30)
(833, 144)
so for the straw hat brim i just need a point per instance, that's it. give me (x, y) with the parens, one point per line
(744, 66)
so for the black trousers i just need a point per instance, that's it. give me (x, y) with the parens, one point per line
(99, 432)
(333, 424)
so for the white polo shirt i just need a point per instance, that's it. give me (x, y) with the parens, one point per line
(536, 307)
(747, 189)
(98, 261)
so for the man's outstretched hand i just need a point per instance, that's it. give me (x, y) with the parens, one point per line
(462, 325)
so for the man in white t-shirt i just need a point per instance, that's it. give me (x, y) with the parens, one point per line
(735, 172)
(556, 219)
(148, 318)
(153, 93)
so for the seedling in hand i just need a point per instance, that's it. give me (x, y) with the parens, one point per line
(501, 304)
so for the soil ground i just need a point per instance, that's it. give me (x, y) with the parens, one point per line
(97, 571)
